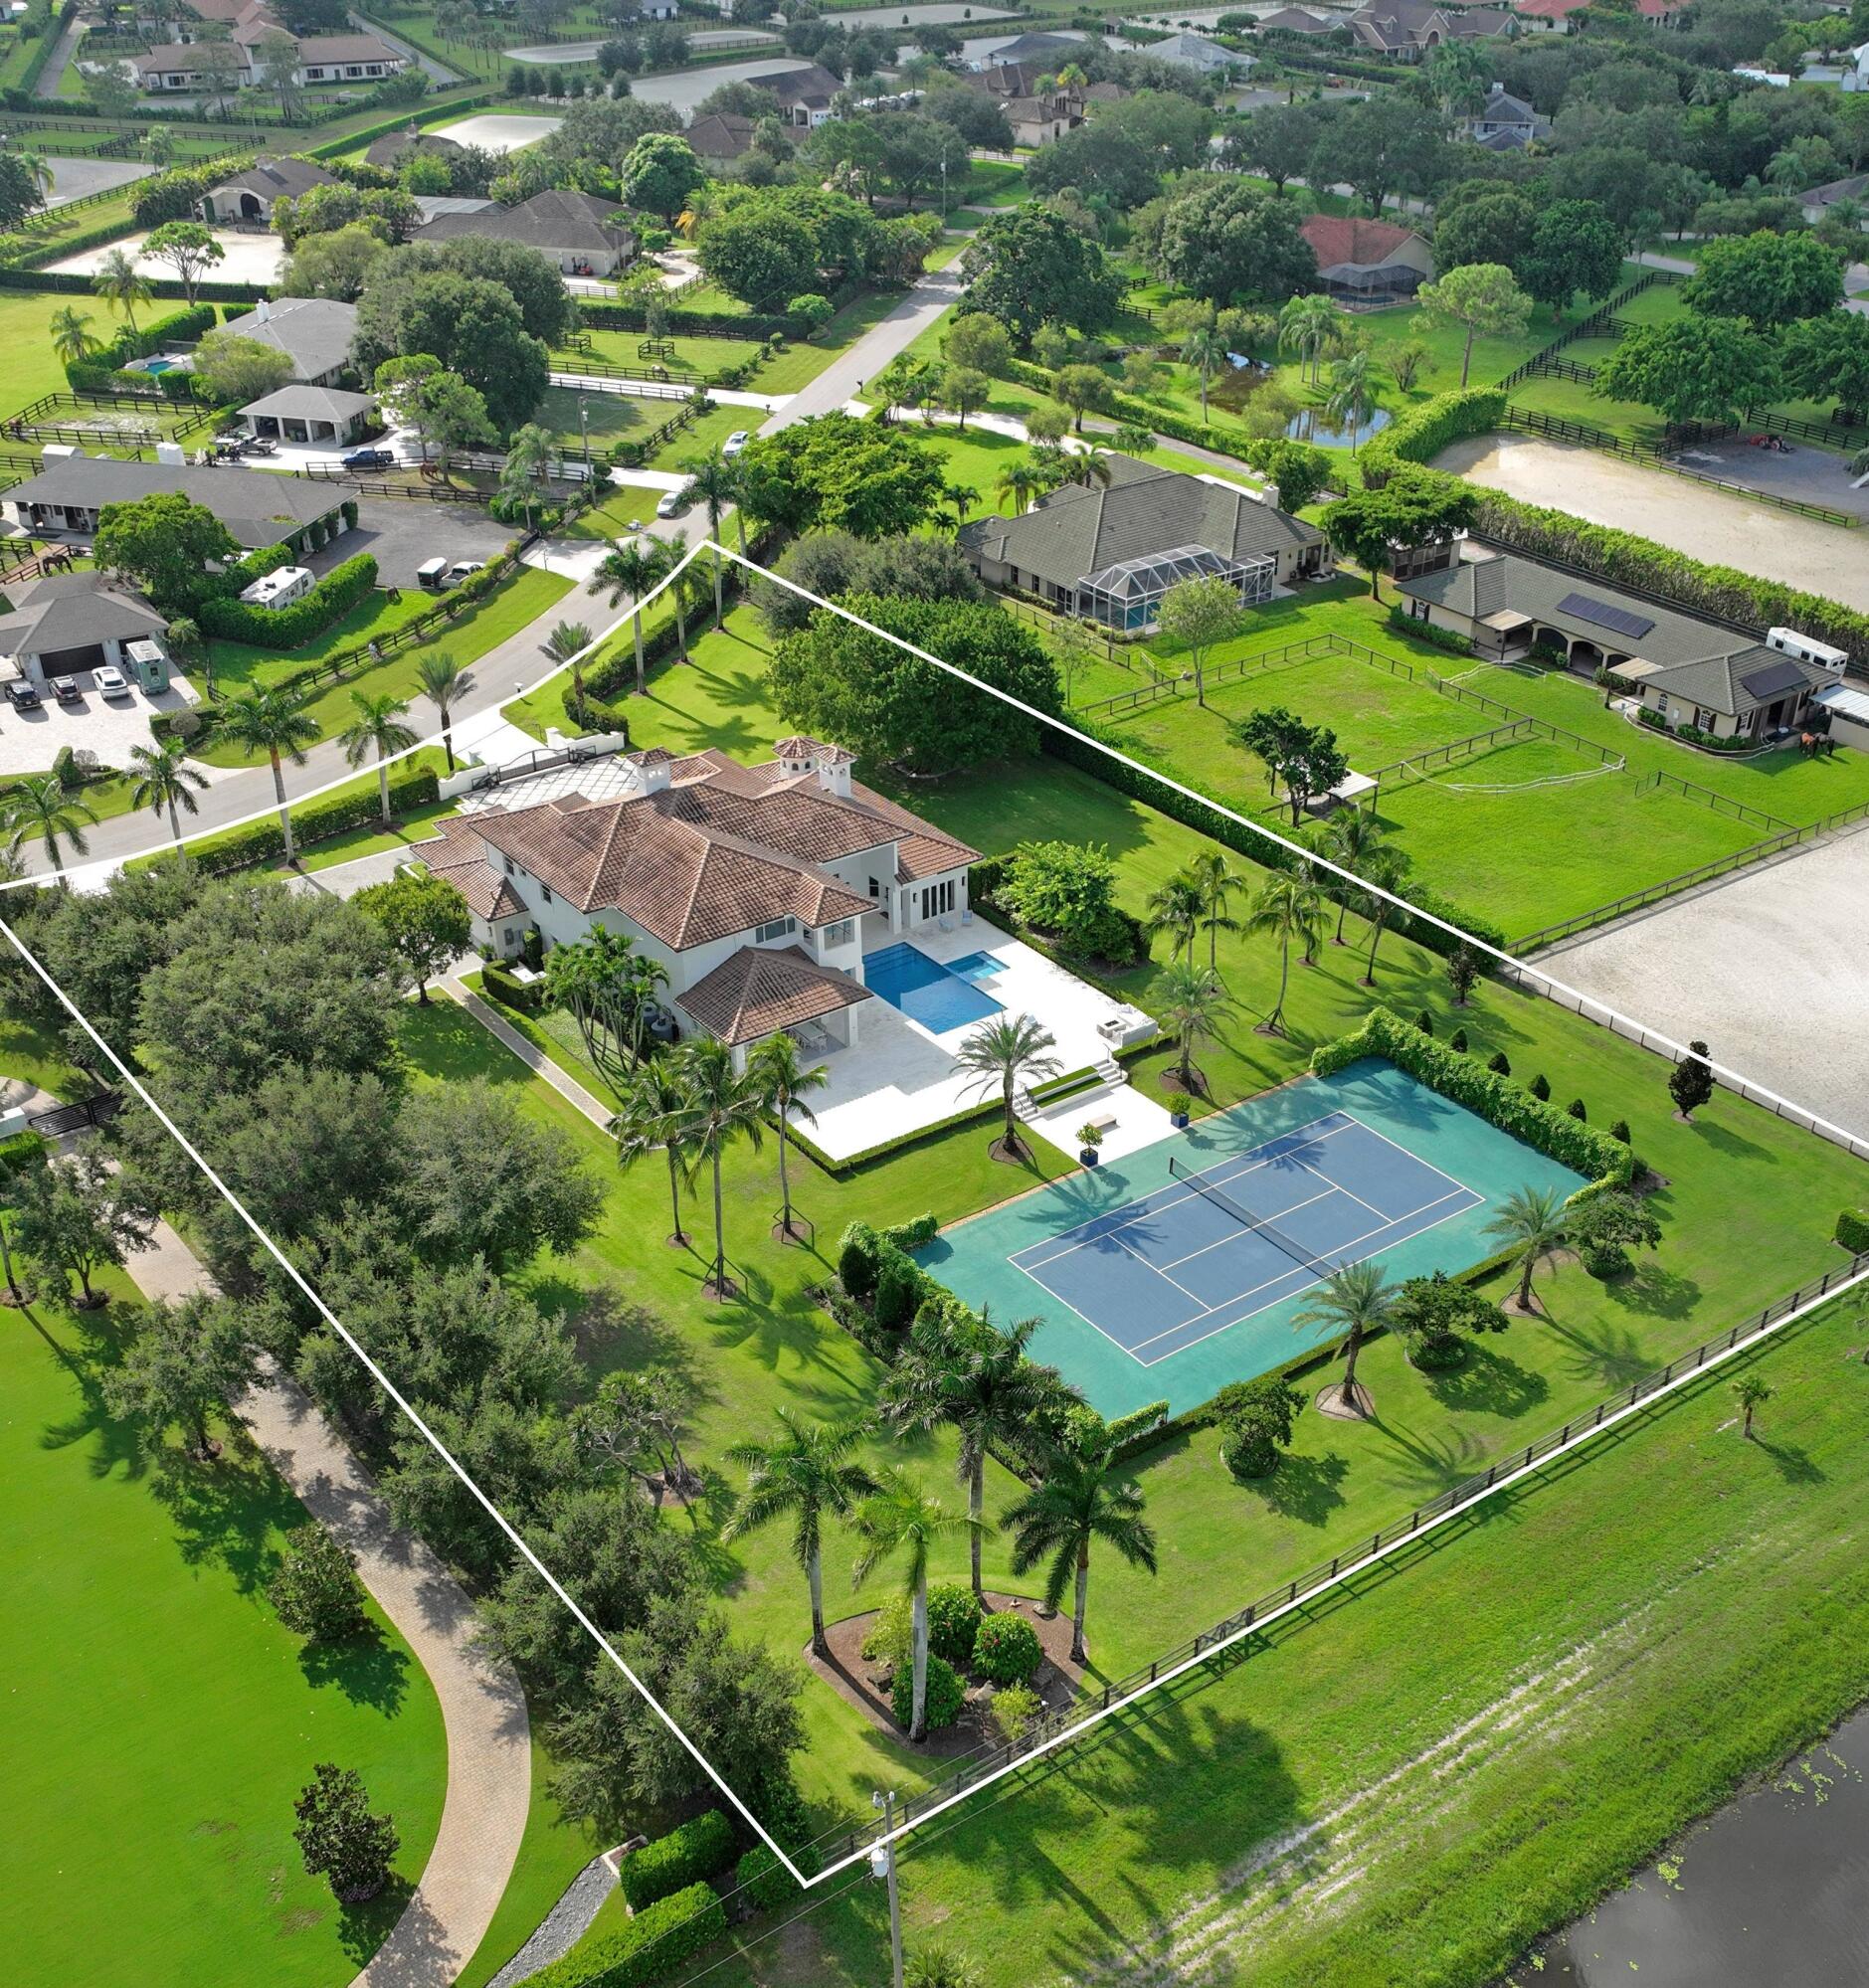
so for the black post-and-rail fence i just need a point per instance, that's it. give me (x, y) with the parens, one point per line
(1054, 1729)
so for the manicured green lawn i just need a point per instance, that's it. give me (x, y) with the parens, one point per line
(703, 436)
(161, 1718)
(513, 604)
(1747, 1210)
(26, 334)
(237, 665)
(976, 458)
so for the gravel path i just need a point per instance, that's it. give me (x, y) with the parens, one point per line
(563, 1926)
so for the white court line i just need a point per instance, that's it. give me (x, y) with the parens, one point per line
(1192, 1297)
(1310, 1201)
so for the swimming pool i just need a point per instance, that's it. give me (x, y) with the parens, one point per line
(976, 967)
(925, 991)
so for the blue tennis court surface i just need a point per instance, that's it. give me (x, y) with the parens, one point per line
(1147, 1289)
(1164, 1272)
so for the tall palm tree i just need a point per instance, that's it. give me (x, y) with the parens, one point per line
(1383, 870)
(805, 1476)
(1016, 486)
(899, 1519)
(164, 781)
(632, 568)
(686, 589)
(650, 1101)
(962, 497)
(716, 482)
(718, 1106)
(1354, 1302)
(1191, 1001)
(443, 681)
(1079, 1500)
(38, 169)
(38, 804)
(566, 643)
(377, 728)
(978, 1381)
(1088, 467)
(1174, 910)
(72, 340)
(1349, 838)
(1011, 1052)
(275, 723)
(1352, 397)
(1205, 352)
(1287, 907)
(1308, 325)
(1530, 1224)
(783, 1083)
(123, 286)
(1219, 884)
(529, 456)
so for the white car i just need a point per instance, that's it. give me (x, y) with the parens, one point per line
(734, 443)
(672, 504)
(464, 569)
(110, 682)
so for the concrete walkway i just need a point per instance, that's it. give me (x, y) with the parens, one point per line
(844, 378)
(483, 1708)
(534, 1058)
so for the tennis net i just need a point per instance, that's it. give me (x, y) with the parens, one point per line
(1247, 1218)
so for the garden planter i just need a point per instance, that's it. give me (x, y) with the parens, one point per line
(1088, 1155)
(1177, 1118)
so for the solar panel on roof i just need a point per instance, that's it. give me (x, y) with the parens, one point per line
(1773, 680)
(1589, 609)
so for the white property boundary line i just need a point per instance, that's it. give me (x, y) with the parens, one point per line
(1611, 1420)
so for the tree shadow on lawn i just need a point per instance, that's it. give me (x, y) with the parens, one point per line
(118, 1445)
(1488, 1382)
(1792, 1461)
(1654, 1291)
(1726, 1142)
(1602, 1352)
(425, 1948)
(366, 1668)
(454, 1048)
(228, 1512)
(1305, 1488)
(1422, 1467)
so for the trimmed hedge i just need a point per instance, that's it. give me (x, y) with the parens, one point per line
(26, 276)
(700, 1848)
(1852, 1230)
(317, 821)
(1601, 1160)
(1424, 431)
(652, 1945)
(304, 620)
(764, 1882)
(523, 996)
(434, 114)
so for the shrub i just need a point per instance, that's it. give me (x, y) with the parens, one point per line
(1430, 1313)
(1852, 1230)
(1608, 1225)
(1258, 1418)
(1458, 1041)
(1015, 1710)
(312, 822)
(699, 1848)
(1007, 1650)
(1497, 1062)
(1575, 1109)
(1425, 1023)
(1620, 1129)
(856, 1260)
(898, 1291)
(642, 1950)
(953, 1623)
(524, 996)
(1426, 430)
(917, 1234)
(315, 1589)
(888, 1638)
(764, 1882)
(944, 1693)
(304, 620)
(1540, 1087)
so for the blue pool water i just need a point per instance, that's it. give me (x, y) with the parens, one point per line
(925, 991)
(154, 366)
(977, 965)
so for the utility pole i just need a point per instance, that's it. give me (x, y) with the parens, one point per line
(882, 1865)
(584, 430)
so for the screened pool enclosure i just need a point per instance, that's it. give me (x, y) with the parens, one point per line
(1129, 594)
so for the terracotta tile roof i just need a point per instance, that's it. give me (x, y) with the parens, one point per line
(759, 990)
(1336, 239)
(458, 857)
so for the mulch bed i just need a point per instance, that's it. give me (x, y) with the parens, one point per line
(864, 1685)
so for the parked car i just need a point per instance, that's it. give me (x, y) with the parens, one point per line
(462, 569)
(259, 444)
(21, 694)
(672, 504)
(64, 689)
(734, 443)
(110, 682)
(370, 458)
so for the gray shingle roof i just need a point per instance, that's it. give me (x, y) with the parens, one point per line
(276, 179)
(555, 220)
(256, 506)
(1074, 531)
(314, 332)
(70, 611)
(316, 403)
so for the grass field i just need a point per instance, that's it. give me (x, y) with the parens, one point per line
(26, 333)
(172, 1718)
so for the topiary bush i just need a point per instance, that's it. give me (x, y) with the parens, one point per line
(1577, 1110)
(898, 1291)
(945, 1694)
(1425, 1023)
(1852, 1230)
(1497, 1062)
(1007, 1650)
(1620, 1129)
(856, 1260)
(953, 1623)
(1458, 1041)
(1540, 1087)
(699, 1848)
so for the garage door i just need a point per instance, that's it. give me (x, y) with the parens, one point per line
(68, 662)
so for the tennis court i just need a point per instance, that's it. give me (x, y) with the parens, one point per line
(1168, 1273)
(1222, 1242)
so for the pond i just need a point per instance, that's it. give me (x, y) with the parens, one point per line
(1769, 1890)
(1310, 425)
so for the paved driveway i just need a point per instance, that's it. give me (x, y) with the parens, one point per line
(108, 726)
(402, 536)
(72, 179)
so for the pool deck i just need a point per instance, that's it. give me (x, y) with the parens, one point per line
(900, 1077)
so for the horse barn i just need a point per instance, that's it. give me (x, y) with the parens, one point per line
(1692, 673)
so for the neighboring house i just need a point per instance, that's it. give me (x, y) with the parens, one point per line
(758, 889)
(317, 417)
(315, 334)
(1689, 671)
(1197, 53)
(1550, 17)
(805, 94)
(250, 194)
(1503, 123)
(582, 234)
(1048, 52)
(1110, 553)
(1302, 21)
(1815, 202)
(69, 621)
(317, 58)
(1406, 30)
(259, 508)
(1363, 262)
(721, 136)
(400, 146)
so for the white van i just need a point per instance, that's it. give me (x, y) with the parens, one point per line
(432, 571)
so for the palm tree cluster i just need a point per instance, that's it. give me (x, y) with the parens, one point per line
(961, 1373)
